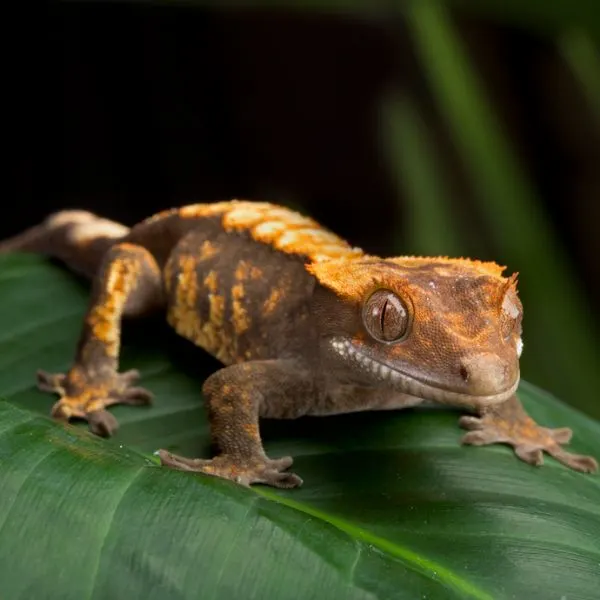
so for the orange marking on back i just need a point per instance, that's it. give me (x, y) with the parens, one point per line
(216, 303)
(256, 272)
(268, 231)
(241, 319)
(273, 300)
(242, 271)
(183, 315)
(195, 211)
(217, 309)
(243, 217)
(207, 250)
(285, 229)
(246, 270)
(293, 233)
(201, 211)
(210, 281)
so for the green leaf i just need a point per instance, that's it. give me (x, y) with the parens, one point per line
(581, 54)
(392, 506)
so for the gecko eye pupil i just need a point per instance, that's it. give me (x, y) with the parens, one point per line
(385, 316)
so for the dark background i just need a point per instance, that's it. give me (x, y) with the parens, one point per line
(129, 108)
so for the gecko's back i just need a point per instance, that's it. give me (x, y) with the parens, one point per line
(233, 272)
(236, 298)
(234, 275)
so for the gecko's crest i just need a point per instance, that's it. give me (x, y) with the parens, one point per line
(281, 228)
(352, 279)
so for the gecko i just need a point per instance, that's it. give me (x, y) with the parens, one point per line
(303, 324)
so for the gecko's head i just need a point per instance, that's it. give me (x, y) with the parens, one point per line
(447, 330)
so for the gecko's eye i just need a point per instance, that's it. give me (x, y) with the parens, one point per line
(385, 316)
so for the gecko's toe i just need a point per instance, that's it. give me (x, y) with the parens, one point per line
(244, 472)
(482, 437)
(128, 377)
(61, 411)
(562, 435)
(529, 440)
(470, 423)
(532, 456)
(280, 464)
(136, 396)
(51, 382)
(578, 462)
(102, 423)
(181, 463)
(283, 480)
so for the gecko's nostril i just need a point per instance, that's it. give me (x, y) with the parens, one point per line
(486, 373)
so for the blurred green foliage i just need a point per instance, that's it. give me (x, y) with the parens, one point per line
(546, 16)
(560, 337)
(560, 342)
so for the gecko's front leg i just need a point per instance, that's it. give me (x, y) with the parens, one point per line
(129, 284)
(236, 396)
(509, 424)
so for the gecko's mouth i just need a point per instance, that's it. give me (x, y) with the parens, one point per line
(412, 386)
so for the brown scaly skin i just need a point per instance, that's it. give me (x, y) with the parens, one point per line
(303, 323)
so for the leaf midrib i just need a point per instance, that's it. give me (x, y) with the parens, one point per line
(410, 558)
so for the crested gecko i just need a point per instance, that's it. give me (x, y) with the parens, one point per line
(304, 324)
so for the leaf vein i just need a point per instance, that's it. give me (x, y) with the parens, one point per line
(241, 523)
(27, 474)
(411, 559)
(109, 523)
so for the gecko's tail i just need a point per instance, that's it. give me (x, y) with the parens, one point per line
(76, 237)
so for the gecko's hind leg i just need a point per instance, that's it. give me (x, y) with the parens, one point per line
(128, 284)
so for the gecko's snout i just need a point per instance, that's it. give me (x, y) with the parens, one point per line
(486, 374)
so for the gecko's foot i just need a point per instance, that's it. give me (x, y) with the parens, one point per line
(266, 471)
(83, 398)
(528, 439)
